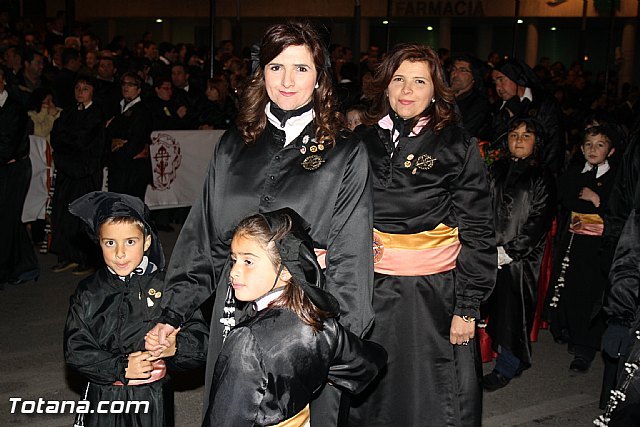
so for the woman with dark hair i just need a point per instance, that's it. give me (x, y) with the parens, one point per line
(288, 150)
(523, 206)
(217, 110)
(434, 247)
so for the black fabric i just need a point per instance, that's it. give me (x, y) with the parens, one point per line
(127, 174)
(77, 140)
(108, 319)
(443, 385)
(523, 207)
(16, 252)
(476, 113)
(271, 366)
(579, 311)
(96, 207)
(244, 179)
(164, 114)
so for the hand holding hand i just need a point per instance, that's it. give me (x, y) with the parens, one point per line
(139, 367)
(152, 341)
(161, 331)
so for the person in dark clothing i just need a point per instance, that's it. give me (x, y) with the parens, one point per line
(217, 110)
(128, 139)
(521, 96)
(30, 77)
(78, 141)
(110, 313)
(434, 248)
(285, 350)
(64, 82)
(18, 262)
(166, 113)
(584, 192)
(523, 196)
(289, 150)
(107, 92)
(466, 82)
(348, 90)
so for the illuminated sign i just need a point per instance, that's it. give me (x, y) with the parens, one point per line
(438, 8)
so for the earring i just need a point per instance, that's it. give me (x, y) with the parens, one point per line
(317, 86)
(433, 100)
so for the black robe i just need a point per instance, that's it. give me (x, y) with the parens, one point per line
(77, 140)
(17, 257)
(523, 207)
(129, 175)
(580, 300)
(263, 176)
(476, 113)
(272, 365)
(623, 308)
(108, 319)
(429, 381)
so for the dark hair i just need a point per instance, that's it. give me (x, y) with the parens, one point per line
(30, 54)
(37, 96)
(292, 297)
(252, 120)
(442, 111)
(532, 126)
(609, 132)
(220, 84)
(88, 80)
(137, 79)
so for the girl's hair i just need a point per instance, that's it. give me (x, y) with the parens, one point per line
(293, 296)
(252, 119)
(220, 84)
(442, 111)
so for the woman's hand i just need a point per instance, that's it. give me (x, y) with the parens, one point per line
(589, 195)
(461, 332)
(151, 340)
(139, 367)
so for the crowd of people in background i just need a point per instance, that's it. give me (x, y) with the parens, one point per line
(553, 139)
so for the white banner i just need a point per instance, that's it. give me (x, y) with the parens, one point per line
(179, 160)
(36, 201)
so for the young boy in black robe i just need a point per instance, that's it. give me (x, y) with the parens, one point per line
(580, 285)
(113, 309)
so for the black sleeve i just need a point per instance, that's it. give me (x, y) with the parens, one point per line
(191, 344)
(622, 301)
(356, 362)
(541, 209)
(476, 264)
(239, 382)
(82, 352)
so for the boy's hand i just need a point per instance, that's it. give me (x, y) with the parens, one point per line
(589, 195)
(139, 367)
(152, 340)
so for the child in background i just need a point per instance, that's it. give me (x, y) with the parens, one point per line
(583, 192)
(290, 343)
(355, 116)
(112, 310)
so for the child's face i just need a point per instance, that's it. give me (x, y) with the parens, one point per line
(123, 246)
(253, 273)
(596, 149)
(353, 119)
(521, 142)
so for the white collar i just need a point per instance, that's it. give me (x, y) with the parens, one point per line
(3, 97)
(164, 60)
(266, 299)
(88, 105)
(294, 126)
(602, 168)
(124, 107)
(527, 94)
(186, 88)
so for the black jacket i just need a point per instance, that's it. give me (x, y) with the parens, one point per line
(476, 113)
(273, 364)
(14, 143)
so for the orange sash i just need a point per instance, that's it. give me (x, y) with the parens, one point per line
(586, 224)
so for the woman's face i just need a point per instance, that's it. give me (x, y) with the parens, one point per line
(290, 78)
(521, 142)
(83, 92)
(252, 272)
(411, 89)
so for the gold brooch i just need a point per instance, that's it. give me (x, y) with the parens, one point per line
(425, 162)
(152, 292)
(312, 162)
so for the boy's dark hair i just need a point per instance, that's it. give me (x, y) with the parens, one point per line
(299, 294)
(609, 132)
